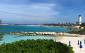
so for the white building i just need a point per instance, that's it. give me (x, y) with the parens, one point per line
(80, 19)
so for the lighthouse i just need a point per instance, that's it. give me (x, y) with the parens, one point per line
(79, 19)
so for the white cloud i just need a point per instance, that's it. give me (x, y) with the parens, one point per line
(32, 9)
(31, 12)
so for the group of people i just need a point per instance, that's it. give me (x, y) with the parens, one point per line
(79, 43)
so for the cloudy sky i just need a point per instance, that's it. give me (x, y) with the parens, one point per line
(41, 11)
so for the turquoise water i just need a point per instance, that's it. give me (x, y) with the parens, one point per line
(12, 38)
(27, 28)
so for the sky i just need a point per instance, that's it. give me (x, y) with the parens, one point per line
(41, 11)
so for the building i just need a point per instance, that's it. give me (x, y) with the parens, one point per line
(79, 19)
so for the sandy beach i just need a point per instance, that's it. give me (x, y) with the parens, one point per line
(73, 41)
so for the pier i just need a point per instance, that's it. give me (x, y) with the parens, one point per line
(45, 33)
(33, 33)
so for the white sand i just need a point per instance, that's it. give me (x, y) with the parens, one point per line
(74, 42)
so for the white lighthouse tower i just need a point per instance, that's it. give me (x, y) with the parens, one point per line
(80, 19)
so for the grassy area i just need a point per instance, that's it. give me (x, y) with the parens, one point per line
(35, 46)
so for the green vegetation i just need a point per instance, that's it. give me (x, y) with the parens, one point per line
(82, 25)
(81, 30)
(35, 46)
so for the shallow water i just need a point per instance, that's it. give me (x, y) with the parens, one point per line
(27, 28)
(12, 38)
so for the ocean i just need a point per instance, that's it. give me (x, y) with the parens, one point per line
(29, 28)
(9, 38)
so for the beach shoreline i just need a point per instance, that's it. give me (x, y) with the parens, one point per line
(73, 42)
